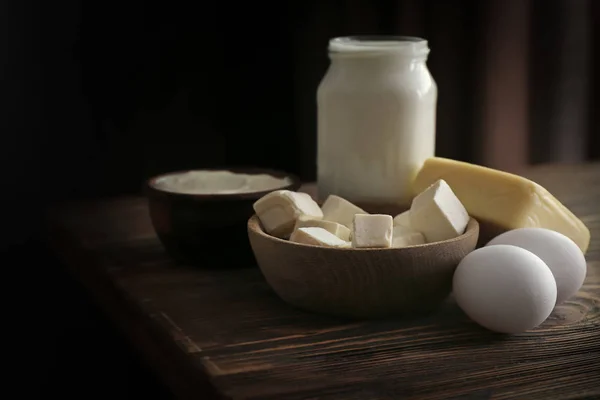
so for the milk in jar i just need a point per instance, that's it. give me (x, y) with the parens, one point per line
(376, 113)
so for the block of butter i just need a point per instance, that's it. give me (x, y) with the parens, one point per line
(340, 210)
(372, 231)
(504, 200)
(279, 210)
(404, 236)
(339, 230)
(317, 237)
(402, 219)
(438, 214)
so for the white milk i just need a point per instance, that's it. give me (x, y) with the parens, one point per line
(376, 118)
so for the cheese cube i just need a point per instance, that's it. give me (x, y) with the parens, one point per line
(372, 231)
(339, 230)
(438, 214)
(317, 237)
(340, 210)
(404, 236)
(279, 210)
(505, 201)
(402, 219)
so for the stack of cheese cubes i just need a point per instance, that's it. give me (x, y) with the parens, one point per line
(436, 214)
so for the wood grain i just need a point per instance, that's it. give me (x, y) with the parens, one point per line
(229, 328)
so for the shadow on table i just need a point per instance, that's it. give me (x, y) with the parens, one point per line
(63, 345)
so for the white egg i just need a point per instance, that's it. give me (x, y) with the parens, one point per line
(504, 288)
(564, 258)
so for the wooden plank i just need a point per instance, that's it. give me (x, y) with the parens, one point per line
(154, 344)
(228, 328)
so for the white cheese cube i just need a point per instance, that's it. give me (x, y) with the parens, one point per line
(402, 219)
(372, 231)
(438, 214)
(404, 236)
(339, 230)
(340, 210)
(279, 210)
(317, 237)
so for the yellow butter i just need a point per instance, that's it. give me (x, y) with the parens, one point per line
(506, 200)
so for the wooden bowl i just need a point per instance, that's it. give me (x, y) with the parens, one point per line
(194, 228)
(360, 283)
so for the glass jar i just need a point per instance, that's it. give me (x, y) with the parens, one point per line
(376, 112)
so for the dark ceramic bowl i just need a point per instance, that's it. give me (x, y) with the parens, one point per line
(208, 230)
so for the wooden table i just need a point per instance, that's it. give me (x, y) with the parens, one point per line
(227, 332)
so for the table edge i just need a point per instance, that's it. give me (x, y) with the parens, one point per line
(143, 332)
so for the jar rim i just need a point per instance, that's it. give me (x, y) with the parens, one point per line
(377, 38)
(410, 45)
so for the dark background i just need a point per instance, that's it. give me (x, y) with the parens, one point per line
(99, 96)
